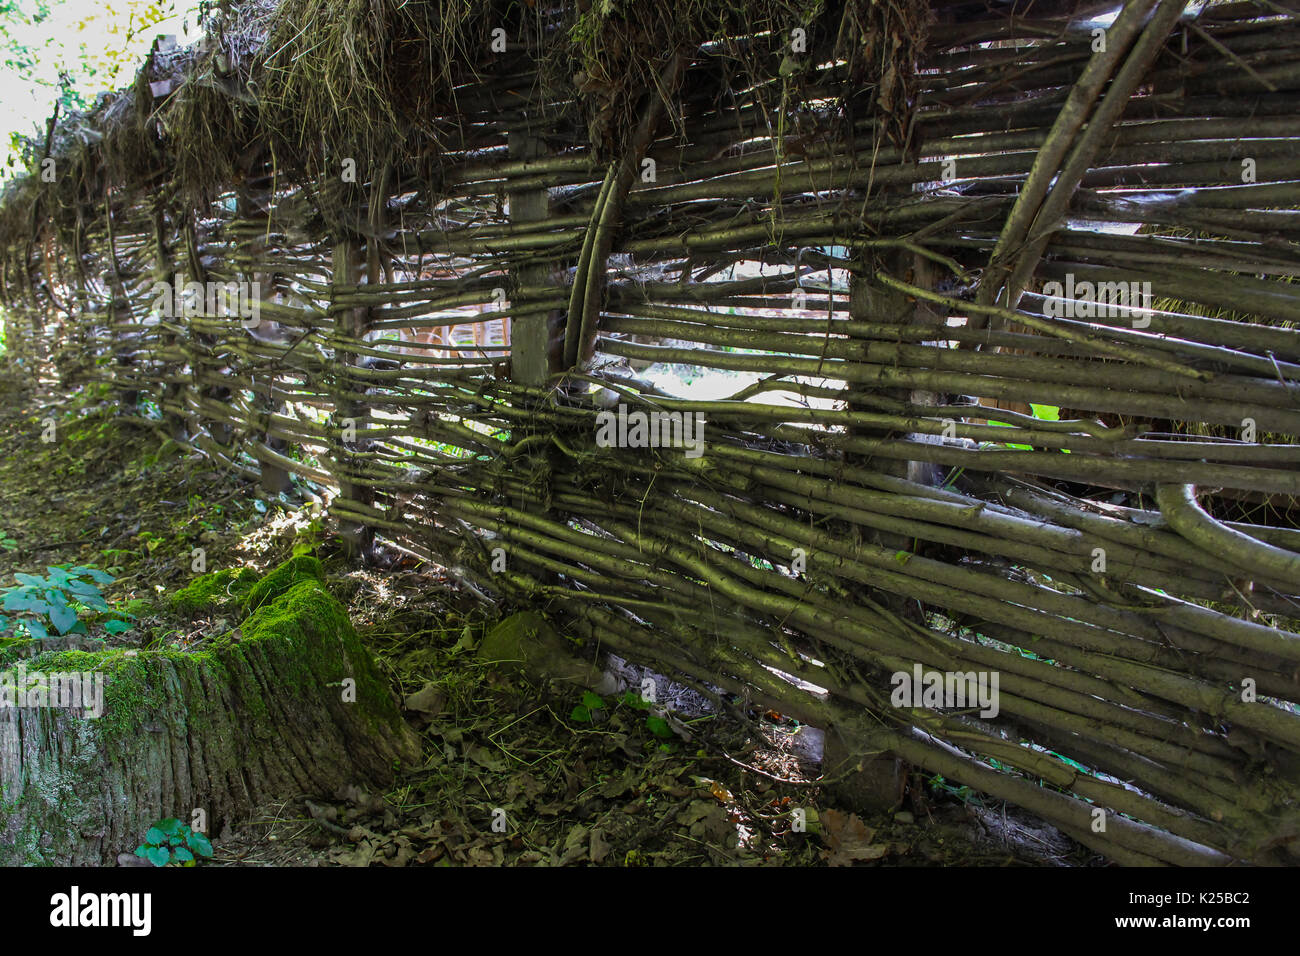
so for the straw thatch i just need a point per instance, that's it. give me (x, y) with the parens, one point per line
(923, 455)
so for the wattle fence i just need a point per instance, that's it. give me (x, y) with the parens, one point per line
(966, 338)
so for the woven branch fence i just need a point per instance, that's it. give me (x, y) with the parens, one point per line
(989, 313)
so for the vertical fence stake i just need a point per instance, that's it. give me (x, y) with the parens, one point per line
(120, 307)
(533, 355)
(532, 358)
(358, 539)
(169, 395)
(274, 479)
(879, 785)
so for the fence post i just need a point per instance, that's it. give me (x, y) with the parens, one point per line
(879, 785)
(358, 539)
(198, 351)
(273, 479)
(164, 273)
(119, 309)
(532, 358)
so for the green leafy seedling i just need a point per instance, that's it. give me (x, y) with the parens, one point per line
(584, 712)
(634, 700)
(659, 727)
(54, 600)
(171, 843)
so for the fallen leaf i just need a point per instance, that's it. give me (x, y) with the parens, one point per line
(429, 854)
(575, 845)
(849, 839)
(361, 856)
(599, 846)
(429, 699)
(487, 759)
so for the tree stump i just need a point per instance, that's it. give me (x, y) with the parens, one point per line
(288, 704)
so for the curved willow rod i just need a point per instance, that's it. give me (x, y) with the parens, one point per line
(1180, 508)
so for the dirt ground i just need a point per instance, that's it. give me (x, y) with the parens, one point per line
(568, 780)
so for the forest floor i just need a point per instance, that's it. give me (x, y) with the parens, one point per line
(83, 485)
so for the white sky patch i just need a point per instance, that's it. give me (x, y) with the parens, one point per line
(58, 42)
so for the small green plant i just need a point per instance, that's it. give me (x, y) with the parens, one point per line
(114, 556)
(962, 792)
(150, 541)
(658, 726)
(308, 538)
(171, 843)
(584, 712)
(631, 698)
(56, 600)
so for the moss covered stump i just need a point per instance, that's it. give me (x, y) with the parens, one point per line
(221, 591)
(101, 745)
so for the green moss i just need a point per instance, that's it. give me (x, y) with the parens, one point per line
(133, 683)
(283, 578)
(304, 631)
(223, 591)
(303, 615)
(11, 649)
(232, 590)
(136, 691)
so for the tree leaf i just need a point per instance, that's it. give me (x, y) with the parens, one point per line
(93, 573)
(64, 618)
(200, 844)
(581, 714)
(154, 836)
(182, 854)
(658, 726)
(117, 627)
(36, 628)
(25, 601)
(158, 856)
(58, 576)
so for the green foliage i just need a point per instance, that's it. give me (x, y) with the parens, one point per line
(658, 726)
(630, 698)
(962, 793)
(586, 711)
(14, 51)
(1073, 763)
(308, 538)
(56, 600)
(1044, 413)
(59, 54)
(171, 843)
